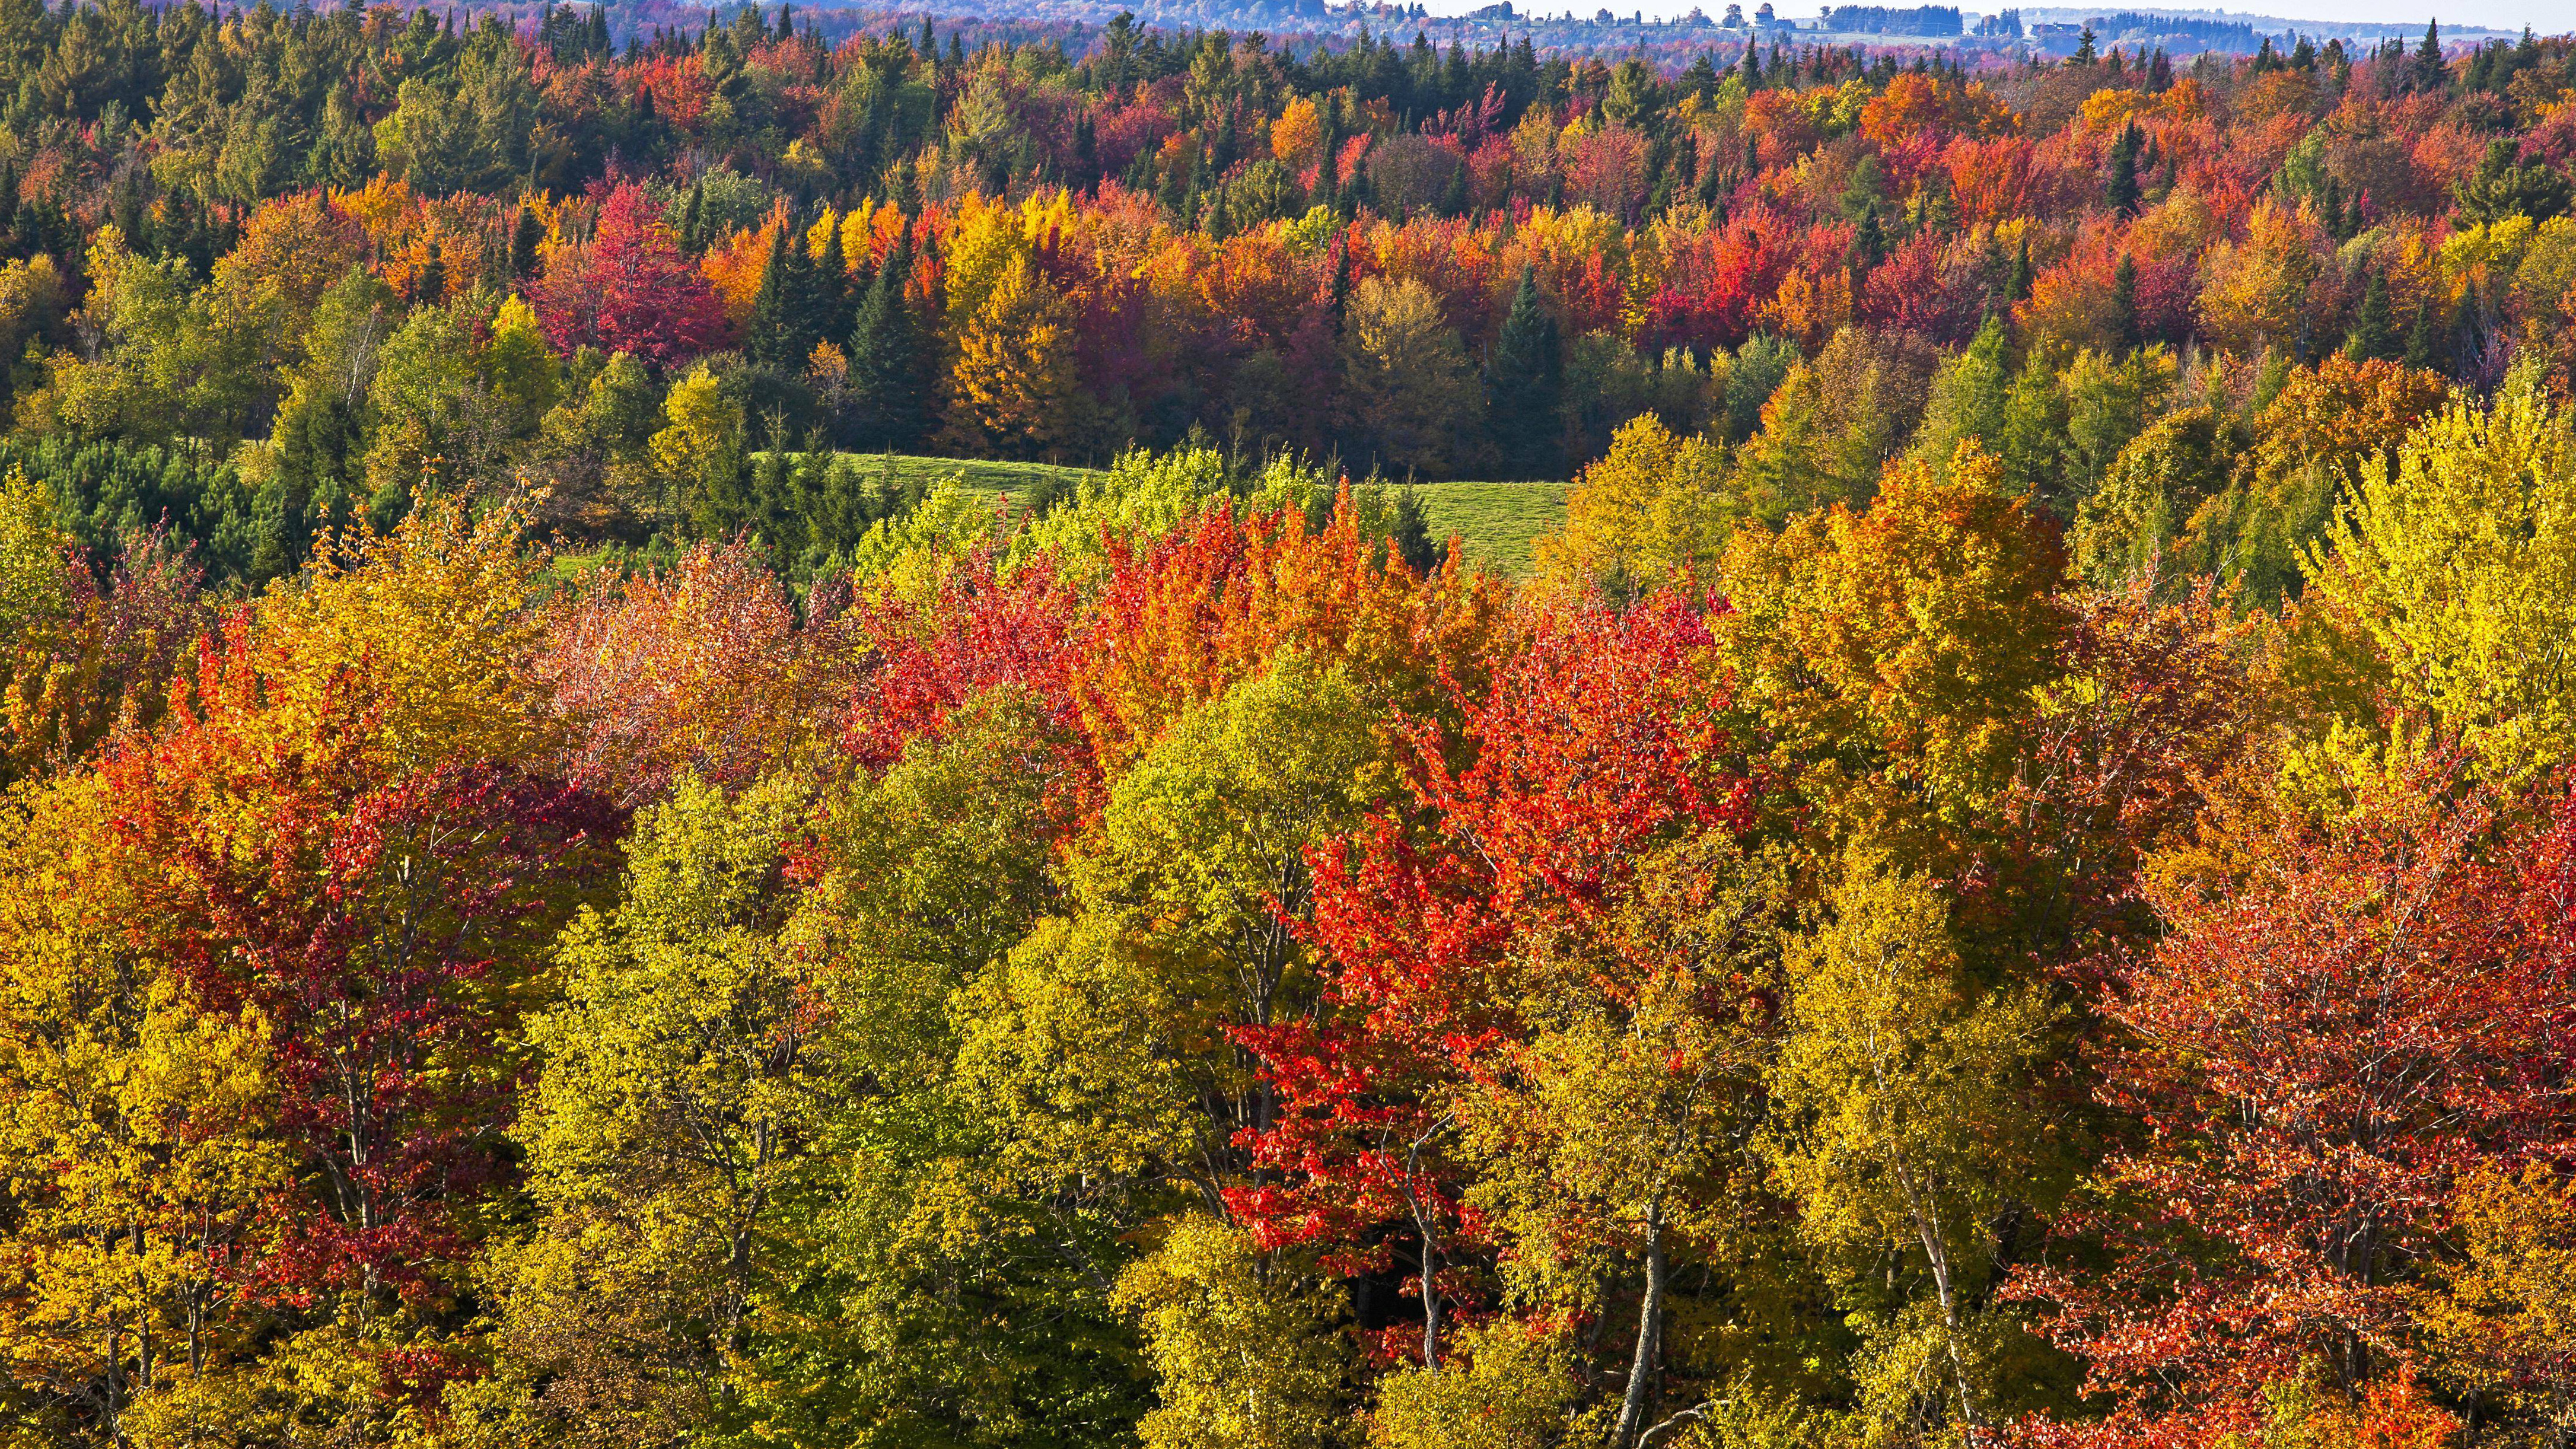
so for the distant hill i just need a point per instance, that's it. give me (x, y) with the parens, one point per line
(2230, 30)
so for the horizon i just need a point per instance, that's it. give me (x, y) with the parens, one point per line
(2477, 14)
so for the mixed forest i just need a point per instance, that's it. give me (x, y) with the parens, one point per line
(2004, 879)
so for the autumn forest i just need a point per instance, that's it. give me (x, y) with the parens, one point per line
(1995, 873)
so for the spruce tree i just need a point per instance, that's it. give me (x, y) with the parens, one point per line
(1410, 535)
(1319, 507)
(525, 235)
(1869, 243)
(2018, 288)
(2431, 73)
(2123, 194)
(429, 284)
(2421, 339)
(2124, 304)
(828, 300)
(886, 361)
(1525, 385)
(693, 221)
(2374, 331)
(774, 322)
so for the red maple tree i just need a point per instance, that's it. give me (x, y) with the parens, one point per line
(2316, 1056)
(628, 289)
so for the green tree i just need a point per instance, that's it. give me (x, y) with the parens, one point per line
(2374, 327)
(889, 365)
(2131, 524)
(1906, 1116)
(671, 1120)
(1524, 386)
(1970, 397)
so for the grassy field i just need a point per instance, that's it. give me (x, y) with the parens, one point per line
(982, 476)
(1497, 521)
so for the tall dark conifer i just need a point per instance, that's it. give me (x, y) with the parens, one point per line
(1524, 385)
(776, 321)
(525, 236)
(2124, 304)
(2374, 330)
(2123, 191)
(887, 362)
(828, 301)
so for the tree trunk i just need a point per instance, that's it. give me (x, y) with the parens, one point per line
(1650, 1312)
(1927, 1228)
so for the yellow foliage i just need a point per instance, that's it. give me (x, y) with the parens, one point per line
(1246, 1356)
(1014, 385)
(2459, 564)
(431, 621)
(1297, 137)
(2109, 109)
(1653, 506)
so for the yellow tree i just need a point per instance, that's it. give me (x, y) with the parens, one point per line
(2502, 1315)
(1893, 652)
(2459, 566)
(1410, 389)
(135, 1141)
(1014, 391)
(1902, 1119)
(1653, 506)
(1245, 1352)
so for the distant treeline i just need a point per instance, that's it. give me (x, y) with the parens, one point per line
(1884, 20)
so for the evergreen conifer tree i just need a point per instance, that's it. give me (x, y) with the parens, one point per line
(525, 235)
(1409, 535)
(1525, 383)
(2124, 171)
(774, 326)
(827, 304)
(886, 358)
(2421, 340)
(2374, 331)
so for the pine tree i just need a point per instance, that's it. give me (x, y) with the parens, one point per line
(2124, 304)
(887, 366)
(1525, 384)
(525, 235)
(2018, 289)
(2374, 331)
(429, 284)
(1320, 502)
(2124, 171)
(2430, 73)
(2421, 339)
(1410, 535)
(775, 323)
(828, 300)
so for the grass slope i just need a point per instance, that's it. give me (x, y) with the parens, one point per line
(1497, 521)
(982, 476)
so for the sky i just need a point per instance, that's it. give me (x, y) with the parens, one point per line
(2545, 16)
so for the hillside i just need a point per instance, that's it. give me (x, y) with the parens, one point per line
(1499, 522)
